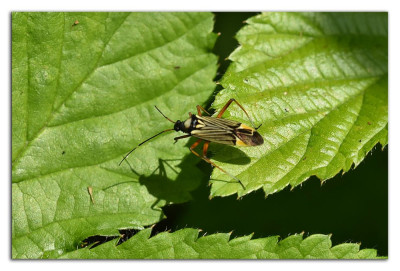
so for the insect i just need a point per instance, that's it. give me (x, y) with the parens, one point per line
(213, 129)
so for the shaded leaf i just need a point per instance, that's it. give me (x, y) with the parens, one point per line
(84, 86)
(186, 244)
(317, 82)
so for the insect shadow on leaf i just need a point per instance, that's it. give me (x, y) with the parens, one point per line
(177, 190)
(236, 156)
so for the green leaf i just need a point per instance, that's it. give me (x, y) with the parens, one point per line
(84, 86)
(186, 244)
(317, 82)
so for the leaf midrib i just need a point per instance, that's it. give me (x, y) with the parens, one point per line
(51, 116)
(95, 67)
(362, 92)
(15, 164)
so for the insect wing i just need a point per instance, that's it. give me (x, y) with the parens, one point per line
(228, 132)
(216, 130)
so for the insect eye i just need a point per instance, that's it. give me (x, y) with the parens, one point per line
(177, 125)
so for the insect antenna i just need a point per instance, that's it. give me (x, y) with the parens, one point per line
(126, 156)
(164, 115)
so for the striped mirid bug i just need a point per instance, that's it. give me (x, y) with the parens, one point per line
(213, 129)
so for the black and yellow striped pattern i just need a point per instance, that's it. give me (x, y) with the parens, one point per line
(224, 131)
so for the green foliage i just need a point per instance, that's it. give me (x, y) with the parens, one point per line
(317, 82)
(185, 244)
(84, 86)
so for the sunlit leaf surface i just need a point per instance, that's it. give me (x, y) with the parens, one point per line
(186, 244)
(318, 84)
(84, 86)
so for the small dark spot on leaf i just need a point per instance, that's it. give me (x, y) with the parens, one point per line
(369, 123)
(305, 157)
(287, 110)
(177, 67)
(63, 152)
(359, 140)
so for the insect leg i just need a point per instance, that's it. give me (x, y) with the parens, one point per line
(195, 144)
(205, 147)
(199, 107)
(228, 104)
(180, 137)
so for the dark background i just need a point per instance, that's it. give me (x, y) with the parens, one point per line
(352, 207)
